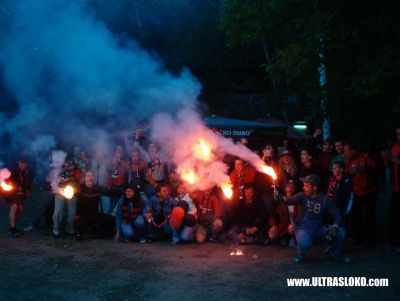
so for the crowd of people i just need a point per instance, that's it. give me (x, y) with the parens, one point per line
(326, 192)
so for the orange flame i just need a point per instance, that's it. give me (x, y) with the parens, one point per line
(237, 252)
(227, 190)
(68, 192)
(269, 171)
(203, 150)
(6, 187)
(189, 177)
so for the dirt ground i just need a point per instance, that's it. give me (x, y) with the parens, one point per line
(36, 267)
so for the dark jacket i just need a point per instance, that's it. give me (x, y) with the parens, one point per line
(89, 198)
(247, 216)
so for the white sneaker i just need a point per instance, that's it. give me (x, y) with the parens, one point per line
(28, 228)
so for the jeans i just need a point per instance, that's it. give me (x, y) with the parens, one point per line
(166, 230)
(106, 206)
(211, 230)
(47, 197)
(306, 237)
(59, 203)
(134, 229)
(185, 233)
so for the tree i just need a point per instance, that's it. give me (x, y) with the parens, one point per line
(357, 40)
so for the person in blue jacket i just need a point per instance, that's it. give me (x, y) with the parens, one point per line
(310, 225)
(157, 213)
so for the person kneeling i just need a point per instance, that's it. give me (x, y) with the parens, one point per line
(249, 218)
(129, 220)
(158, 211)
(310, 225)
(87, 207)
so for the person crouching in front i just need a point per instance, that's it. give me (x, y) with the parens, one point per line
(129, 220)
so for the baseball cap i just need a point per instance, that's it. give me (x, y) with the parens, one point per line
(312, 179)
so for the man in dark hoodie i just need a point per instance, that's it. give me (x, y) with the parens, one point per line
(249, 218)
(310, 225)
(88, 199)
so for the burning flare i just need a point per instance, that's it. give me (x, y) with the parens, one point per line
(68, 192)
(237, 252)
(6, 187)
(268, 170)
(227, 190)
(203, 150)
(189, 177)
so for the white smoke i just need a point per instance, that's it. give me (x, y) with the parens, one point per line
(180, 136)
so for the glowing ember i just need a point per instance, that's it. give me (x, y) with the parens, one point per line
(5, 186)
(203, 150)
(227, 190)
(269, 171)
(68, 192)
(237, 252)
(189, 177)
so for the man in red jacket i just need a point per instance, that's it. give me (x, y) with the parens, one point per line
(361, 168)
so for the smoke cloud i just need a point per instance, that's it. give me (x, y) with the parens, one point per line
(71, 78)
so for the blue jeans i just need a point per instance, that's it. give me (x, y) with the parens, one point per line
(166, 230)
(306, 237)
(134, 229)
(106, 206)
(185, 233)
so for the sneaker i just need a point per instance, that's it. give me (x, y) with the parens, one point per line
(214, 240)
(57, 236)
(298, 258)
(267, 241)
(78, 237)
(142, 241)
(28, 228)
(14, 232)
(175, 241)
(150, 240)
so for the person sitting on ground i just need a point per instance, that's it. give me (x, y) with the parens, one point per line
(310, 225)
(281, 225)
(129, 220)
(188, 227)
(157, 213)
(88, 201)
(249, 221)
(210, 213)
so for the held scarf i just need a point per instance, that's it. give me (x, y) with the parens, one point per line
(134, 211)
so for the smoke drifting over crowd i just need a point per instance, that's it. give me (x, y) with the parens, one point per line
(74, 81)
(71, 78)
